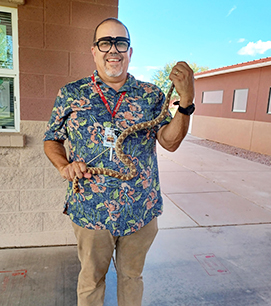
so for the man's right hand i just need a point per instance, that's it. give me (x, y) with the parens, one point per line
(55, 151)
(78, 169)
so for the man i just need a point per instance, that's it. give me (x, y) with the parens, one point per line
(108, 213)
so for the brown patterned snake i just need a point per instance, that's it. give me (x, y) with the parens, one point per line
(118, 148)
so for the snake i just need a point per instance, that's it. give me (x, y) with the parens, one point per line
(118, 148)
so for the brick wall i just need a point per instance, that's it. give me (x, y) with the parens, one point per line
(55, 38)
(54, 48)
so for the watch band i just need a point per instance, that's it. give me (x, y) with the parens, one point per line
(189, 110)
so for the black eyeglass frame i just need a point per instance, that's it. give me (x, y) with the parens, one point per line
(113, 41)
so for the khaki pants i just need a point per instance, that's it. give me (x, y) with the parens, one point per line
(95, 249)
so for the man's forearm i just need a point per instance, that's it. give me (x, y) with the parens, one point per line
(56, 153)
(171, 135)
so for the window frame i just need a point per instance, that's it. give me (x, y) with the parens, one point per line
(234, 94)
(269, 103)
(13, 73)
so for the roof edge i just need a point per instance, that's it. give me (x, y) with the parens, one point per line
(239, 67)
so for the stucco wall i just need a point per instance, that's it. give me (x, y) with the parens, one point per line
(249, 130)
(54, 48)
(246, 134)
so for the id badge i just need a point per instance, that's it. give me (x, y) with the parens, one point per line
(110, 137)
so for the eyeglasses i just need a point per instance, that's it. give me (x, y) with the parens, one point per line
(105, 44)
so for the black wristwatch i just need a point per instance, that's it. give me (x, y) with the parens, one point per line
(189, 110)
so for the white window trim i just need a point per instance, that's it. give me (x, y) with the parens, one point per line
(15, 71)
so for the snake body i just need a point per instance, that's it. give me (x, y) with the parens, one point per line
(118, 147)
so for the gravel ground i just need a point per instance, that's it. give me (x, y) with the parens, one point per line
(253, 156)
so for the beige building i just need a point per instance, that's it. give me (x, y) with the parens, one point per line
(233, 105)
(44, 45)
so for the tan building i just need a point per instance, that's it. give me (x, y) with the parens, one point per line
(233, 105)
(43, 45)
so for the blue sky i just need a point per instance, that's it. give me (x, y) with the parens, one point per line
(210, 33)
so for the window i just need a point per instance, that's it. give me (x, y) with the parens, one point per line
(212, 97)
(240, 100)
(9, 83)
(269, 103)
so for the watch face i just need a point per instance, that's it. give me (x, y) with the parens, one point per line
(190, 109)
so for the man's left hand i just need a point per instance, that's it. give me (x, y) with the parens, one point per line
(183, 78)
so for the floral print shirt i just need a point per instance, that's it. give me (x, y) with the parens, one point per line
(80, 116)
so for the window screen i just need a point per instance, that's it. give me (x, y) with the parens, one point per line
(6, 102)
(213, 97)
(6, 44)
(9, 118)
(240, 100)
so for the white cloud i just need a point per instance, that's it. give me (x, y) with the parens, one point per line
(231, 10)
(260, 47)
(241, 40)
(133, 68)
(141, 77)
(152, 68)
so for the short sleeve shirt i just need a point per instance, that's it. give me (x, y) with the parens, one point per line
(81, 117)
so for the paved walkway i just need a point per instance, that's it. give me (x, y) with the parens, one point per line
(213, 247)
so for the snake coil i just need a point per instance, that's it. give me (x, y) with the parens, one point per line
(118, 148)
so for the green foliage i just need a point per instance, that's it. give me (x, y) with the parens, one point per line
(160, 77)
(197, 68)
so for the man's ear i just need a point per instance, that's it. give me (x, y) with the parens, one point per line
(130, 53)
(93, 51)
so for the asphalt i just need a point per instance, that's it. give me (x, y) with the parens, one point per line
(213, 247)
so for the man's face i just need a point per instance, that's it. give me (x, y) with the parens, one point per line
(112, 66)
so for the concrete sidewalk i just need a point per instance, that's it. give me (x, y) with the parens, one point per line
(213, 247)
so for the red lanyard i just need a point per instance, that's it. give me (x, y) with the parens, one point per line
(104, 100)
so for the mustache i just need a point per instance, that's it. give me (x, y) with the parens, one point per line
(114, 54)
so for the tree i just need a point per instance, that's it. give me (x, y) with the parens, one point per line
(197, 68)
(160, 77)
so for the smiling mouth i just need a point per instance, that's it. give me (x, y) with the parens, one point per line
(113, 60)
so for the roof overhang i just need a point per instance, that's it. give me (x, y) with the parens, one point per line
(233, 69)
